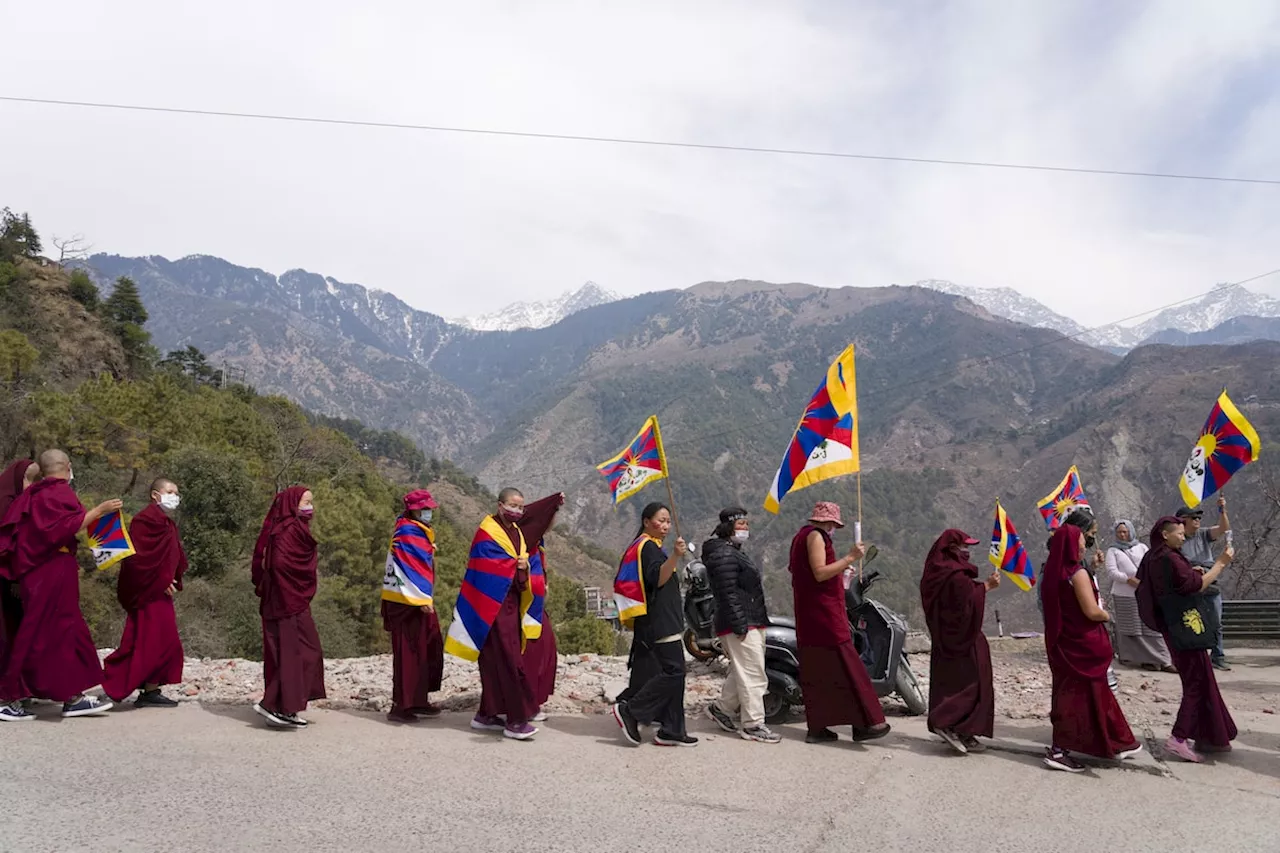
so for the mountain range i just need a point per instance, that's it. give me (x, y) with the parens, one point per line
(957, 404)
(539, 315)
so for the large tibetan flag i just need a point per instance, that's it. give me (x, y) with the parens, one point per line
(533, 599)
(640, 463)
(1057, 505)
(825, 443)
(491, 569)
(109, 540)
(628, 584)
(1008, 554)
(1227, 443)
(410, 572)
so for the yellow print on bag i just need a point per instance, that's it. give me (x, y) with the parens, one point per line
(1192, 620)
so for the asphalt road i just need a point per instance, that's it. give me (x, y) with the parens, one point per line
(204, 778)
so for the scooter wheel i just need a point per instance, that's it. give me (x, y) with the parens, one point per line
(695, 651)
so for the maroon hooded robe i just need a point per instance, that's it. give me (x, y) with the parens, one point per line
(284, 578)
(1202, 716)
(833, 679)
(150, 651)
(52, 656)
(961, 693)
(1085, 714)
(540, 656)
(417, 655)
(11, 482)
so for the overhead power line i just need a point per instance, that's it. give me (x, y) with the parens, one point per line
(654, 143)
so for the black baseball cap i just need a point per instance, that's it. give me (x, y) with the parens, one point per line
(1188, 512)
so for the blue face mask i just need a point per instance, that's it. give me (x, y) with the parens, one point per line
(425, 516)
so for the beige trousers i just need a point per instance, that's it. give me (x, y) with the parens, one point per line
(744, 689)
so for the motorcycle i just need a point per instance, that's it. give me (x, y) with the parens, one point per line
(700, 639)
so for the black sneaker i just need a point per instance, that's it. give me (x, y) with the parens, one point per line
(821, 736)
(760, 734)
(664, 739)
(628, 723)
(1221, 664)
(879, 730)
(293, 720)
(1057, 759)
(273, 719)
(154, 699)
(721, 719)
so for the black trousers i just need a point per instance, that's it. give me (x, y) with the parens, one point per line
(656, 691)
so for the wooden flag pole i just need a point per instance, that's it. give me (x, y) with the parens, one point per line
(671, 498)
(859, 522)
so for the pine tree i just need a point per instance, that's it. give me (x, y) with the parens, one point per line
(126, 315)
(124, 305)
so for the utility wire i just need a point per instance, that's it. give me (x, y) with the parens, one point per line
(654, 143)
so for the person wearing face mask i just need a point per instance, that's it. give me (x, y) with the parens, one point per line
(492, 621)
(409, 612)
(962, 704)
(15, 480)
(150, 651)
(740, 620)
(284, 579)
(52, 655)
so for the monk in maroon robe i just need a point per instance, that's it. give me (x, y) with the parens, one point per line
(1085, 714)
(1202, 716)
(417, 648)
(150, 651)
(52, 656)
(15, 479)
(541, 659)
(833, 679)
(962, 704)
(284, 578)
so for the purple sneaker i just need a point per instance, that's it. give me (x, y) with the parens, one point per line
(487, 724)
(519, 731)
(1182, 750)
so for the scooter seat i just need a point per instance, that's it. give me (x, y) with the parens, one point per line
(782, 622)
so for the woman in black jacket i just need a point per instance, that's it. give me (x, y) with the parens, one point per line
(740, 621)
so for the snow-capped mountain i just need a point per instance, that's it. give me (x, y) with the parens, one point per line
(1202, 315)
(539, 315)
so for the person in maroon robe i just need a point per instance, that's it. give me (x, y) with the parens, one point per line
(833, 679)
(1202, 716)
(150, 651)
(1084, 712)
(417, 648)
(52, 656)
(284, 578)
(15, 480)
(962, 704)
(541, 659)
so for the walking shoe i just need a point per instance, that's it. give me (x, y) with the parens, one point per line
(154, 699)
(488, 724)
(427, 710)
(293, 720)
(664, 739)
(1169, 668)
(972, 744)
(1181, 749)
(272, 718)
(540, 717)
(877, 731)
(519, 731)
(760, 734)
(1131, 752)
(86, 706)
(721, 719)
(1203, 747)
(15, 713)
(628, 723)
(821, 736)
(1221, 664)
(397, 716)
(952, 740)
(1057, 759)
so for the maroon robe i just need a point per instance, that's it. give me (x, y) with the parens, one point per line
(1085, 714)
(506, 690)
(417, 654)
(284, 578)
(833, 679)
(11, 482)
(961, 691)
(541, 656)
(52, 656)
(150, 651)
(1202, 715)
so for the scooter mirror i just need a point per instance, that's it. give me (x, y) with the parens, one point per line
(870, 555)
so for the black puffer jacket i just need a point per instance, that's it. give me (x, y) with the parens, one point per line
(737, 585)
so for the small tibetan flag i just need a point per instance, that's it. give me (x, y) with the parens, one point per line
(1057, 505)
(1227, 443)
(109, 540)
(640, 463)
(1008, 554)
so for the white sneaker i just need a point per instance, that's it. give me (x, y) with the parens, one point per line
(951, 739)
(540, 717)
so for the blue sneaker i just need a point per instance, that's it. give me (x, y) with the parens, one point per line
(86, 706)
(15, 713)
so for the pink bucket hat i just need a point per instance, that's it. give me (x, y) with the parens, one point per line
(826, 511)
(419, 499)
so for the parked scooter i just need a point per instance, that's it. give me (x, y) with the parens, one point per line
(700, 639)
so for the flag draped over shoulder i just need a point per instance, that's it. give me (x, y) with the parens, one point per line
(491, 569)
(1057, 505)
(1227, 443)
(628, 584)
(825, 443)
(410, 576)
(1008, 554)
(533, 599)
(109, 540)
(640, 463)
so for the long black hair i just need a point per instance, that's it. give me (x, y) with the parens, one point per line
(648, 513)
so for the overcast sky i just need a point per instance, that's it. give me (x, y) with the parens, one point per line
(461, 224)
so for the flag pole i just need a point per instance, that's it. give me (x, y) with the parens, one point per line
(666, 474)
(859, 522)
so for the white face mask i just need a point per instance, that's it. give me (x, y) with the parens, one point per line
(169, 502)
(741, 535)
(424, 516)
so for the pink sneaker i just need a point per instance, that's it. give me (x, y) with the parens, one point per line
(1182, 750)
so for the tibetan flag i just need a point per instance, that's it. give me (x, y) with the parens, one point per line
(1057, 505)
(1008, 554)
(109, 540)
(491, 569)
(628, 584)
(1227, 443)
(639, 464)
(533, 598)
(825, 443)
(410, 573)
